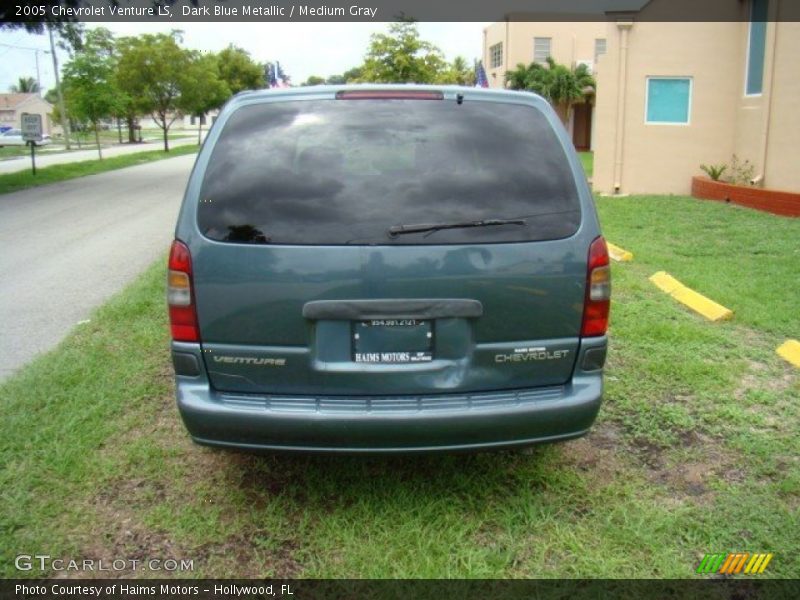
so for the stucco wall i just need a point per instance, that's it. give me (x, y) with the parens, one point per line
(571, 42)
(661, 158)
(782, 170)
(724, 121)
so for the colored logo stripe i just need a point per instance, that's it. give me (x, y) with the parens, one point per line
(734, 563)
(710, 563)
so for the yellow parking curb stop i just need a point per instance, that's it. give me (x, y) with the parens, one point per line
(619, 254)
(790, 350)
(697, 302)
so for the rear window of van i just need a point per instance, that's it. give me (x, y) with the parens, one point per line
(331, 172)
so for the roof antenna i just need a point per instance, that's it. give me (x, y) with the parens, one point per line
(459, 99)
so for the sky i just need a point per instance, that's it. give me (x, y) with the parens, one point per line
(303, 49)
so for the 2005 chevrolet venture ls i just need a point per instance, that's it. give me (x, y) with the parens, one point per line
(387, 269)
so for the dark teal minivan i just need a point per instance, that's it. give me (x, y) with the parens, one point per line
(387, 269)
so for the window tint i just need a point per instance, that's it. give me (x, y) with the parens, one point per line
(345, 171)
(668, 99)
(755, 47)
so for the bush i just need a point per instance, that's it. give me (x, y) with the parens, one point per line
(714, 171)
(740, 172)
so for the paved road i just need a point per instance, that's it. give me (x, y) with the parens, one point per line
(66, 248)
(23, 163)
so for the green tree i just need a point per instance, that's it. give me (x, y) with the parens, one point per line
(24, 85)
(130, 105)
(89, 81)
(564, 86)
(239, 71)
(558, 84)
(126, 111)
(400, 56)
(203, 89)
(313, 80)
(152, 71)
(533, 78)
(70, 36)
(458, 72)
(350, 76)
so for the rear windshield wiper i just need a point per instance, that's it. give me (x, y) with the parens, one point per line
(396, 230)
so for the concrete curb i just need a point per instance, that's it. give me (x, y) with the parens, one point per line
(790, 351)
(697, 302)
(619, 254)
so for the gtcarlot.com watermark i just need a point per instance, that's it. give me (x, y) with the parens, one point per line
(46, 563)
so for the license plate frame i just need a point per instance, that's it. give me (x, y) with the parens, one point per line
(392, 341)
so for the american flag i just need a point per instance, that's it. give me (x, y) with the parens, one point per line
(480, 76)
(275, 76)
(283, 79)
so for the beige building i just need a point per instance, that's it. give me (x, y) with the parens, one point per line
(12, 106)
(673, 96)
(510, 43)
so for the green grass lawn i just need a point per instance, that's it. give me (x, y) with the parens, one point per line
(587, 160)
(746, 260)
(14, 151)
(111, 136)
(11, 182)
(695, 450)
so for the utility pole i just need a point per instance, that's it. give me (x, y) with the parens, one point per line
(38, 76)
(36, 52)
(61, 108)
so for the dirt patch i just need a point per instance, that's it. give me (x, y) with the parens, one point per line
(598, 453)
(118, 530)
(758, 377)
(118, 509)
(608, 454)
(120, 535)
(249, 556)
(693, 477)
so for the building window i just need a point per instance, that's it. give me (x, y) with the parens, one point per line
(541, 49)
(599, 48)
(668, 100)
(756, 42)
(496, 56)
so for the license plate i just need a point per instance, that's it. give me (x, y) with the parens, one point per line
(392, 341)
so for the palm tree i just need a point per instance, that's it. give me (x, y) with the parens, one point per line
(585, 80)
(564, 86)
(25, 85)
(533, 78)
(462, 73)
(558, 84)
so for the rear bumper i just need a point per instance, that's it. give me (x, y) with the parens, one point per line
(390, 424)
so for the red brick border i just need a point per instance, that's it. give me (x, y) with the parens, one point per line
(772, 201)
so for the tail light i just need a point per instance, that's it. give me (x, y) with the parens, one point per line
(180, 295)
(598, 290)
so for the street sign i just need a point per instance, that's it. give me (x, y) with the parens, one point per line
(32, 133)
(31, 127)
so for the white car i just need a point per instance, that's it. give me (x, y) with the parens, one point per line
(13, 137)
